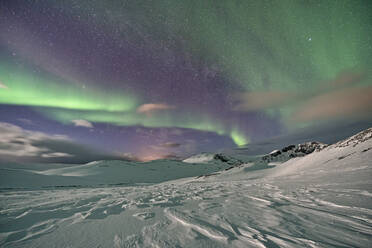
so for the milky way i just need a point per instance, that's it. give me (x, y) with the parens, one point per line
(203, 74)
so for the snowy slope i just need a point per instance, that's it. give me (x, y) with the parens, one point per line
(337, 158)
(322, 199)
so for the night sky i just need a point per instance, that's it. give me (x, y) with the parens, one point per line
(155, 79)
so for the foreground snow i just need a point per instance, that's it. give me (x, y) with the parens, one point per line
(323, 199)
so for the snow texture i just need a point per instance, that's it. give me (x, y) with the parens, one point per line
(321, 198)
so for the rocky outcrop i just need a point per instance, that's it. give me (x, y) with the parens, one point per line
(355, 139)
(227, 159)
(293, 151)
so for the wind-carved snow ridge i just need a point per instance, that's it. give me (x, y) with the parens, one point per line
(356, 139)
(321, 198)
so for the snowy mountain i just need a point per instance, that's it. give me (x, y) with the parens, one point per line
(320, 196)
(199, 158)
(293, 151)
(213, 158)
(355, 139)
(325, 135)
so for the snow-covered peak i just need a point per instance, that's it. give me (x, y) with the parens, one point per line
(355, 139)
(227, 159)
(93, 162)
(210, 158)
(274, 152)
(293, 151)
(306, 148)
(199, 158)
(309, 147)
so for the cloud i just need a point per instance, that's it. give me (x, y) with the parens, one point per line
(56, 155)
(165, 146)
(3, 86)
(17, 142)
(20, 145)
(343, 79)
(82, 123)
(252, 101)
(171, 145)
(347, 102)
(149, 108)
(340, 98)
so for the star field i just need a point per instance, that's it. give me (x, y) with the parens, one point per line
(127, 77)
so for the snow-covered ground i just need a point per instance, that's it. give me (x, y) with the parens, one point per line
(323, 199)
(101, 173)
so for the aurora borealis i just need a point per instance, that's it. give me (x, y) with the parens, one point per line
(206, 74)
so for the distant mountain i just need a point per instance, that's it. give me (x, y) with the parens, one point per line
(297, 155)
(344, 160)
(213, 158)
(349, 155)
(199, 158)
(329, 134)
(293, 151)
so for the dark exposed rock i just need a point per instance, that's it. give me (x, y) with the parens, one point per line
(366, 150)
(293, 151)
(226, 159)
(287, 148)
(309, 147)
(220, 157)
(208, 175)
(342, 157)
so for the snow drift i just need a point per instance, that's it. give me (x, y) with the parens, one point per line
(320, 199)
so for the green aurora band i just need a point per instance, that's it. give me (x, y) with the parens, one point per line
(30, 90)
(164, 119)
(259, 45)
(92, 105)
